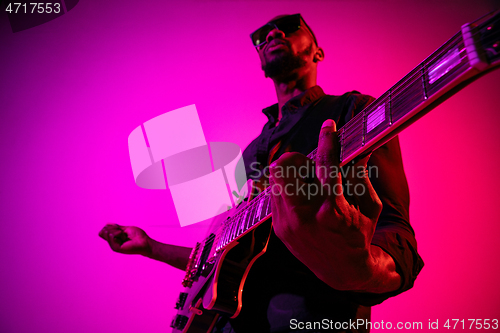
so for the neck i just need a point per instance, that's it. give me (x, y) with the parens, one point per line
(287, 89)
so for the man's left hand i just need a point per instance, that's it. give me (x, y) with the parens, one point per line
(327, 226)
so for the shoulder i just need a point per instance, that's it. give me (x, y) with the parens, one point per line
(356, 101)
(350, 100)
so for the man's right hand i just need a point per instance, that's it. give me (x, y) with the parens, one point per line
(126, 239)
(133, 240)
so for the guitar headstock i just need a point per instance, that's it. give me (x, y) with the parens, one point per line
(488, 28)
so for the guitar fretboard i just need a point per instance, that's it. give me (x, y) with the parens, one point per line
(257, 210)
(423, 82)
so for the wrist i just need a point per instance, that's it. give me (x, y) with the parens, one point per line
(356, 273)
(150, 245)
(382, 276)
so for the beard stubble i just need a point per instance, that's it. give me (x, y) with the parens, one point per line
(285, 64)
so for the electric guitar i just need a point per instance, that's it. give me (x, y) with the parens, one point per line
(218, 266)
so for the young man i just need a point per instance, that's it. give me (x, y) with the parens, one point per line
(331, 255)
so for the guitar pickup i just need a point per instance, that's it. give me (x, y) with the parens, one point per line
(179, 322)
(181, 301)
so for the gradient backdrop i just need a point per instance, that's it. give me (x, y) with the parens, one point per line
(72, 90)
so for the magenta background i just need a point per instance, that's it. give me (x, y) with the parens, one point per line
(71, 91)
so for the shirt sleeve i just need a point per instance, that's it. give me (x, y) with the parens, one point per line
(393, 232)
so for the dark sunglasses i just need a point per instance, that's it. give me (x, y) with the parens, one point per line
(288, 24)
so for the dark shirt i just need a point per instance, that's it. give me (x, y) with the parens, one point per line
(279, 287)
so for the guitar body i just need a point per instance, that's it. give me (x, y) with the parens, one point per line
(225, 294)
(219, 287)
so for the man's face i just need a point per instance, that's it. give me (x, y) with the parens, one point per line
(283, 54)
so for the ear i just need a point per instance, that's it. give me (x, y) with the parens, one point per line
(319, 55)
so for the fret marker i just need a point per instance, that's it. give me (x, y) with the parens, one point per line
(243, 227)
(259, 209)
(375, 118)
(444, 65)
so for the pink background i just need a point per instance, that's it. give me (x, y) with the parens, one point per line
(74, 88)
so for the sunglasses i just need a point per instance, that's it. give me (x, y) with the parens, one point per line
(288, 24)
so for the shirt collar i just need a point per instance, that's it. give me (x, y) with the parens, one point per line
(309, 96)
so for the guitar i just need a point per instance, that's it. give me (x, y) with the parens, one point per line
(218, 266)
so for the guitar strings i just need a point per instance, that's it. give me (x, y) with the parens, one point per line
(351, 130)
(235, 224)
(400, 87)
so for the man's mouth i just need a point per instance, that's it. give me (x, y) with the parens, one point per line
(275, 45)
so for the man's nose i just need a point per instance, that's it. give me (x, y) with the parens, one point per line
(275, 33)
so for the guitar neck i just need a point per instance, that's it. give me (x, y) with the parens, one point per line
(463, 58)
(469, 54)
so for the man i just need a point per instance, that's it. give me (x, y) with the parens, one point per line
(331, 255)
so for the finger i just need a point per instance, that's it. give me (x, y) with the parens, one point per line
(362, 160)
(278, 204)
(291, 176)
(114, 244)
(115, 236)
(121, 237)
(275, 185)
(359, 189)
(101, 234)
(104, 233)
(327, 155)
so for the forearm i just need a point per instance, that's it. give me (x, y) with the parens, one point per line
(176, 256)
(383, 276)
(361, 270)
